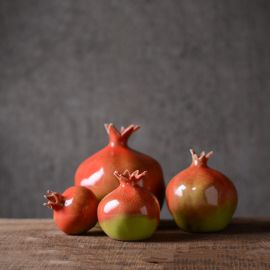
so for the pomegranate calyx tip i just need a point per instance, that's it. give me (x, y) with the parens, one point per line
(106, 127)
(126, 176)
(209, 154)
(121, 136)
(131, 128)
(54, 199)
(109, 127)
(202, 158)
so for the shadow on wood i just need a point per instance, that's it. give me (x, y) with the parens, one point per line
(169, 232)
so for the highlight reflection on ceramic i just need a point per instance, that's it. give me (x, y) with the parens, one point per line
(110, 205)
(210, 193)
(93, 178)
(179, 190)
(68, 202)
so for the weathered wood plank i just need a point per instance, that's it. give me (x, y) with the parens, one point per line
(37, 244)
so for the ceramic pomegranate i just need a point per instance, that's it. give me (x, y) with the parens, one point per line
(201, 199)
(74, 211)
(130, 212)
(96, 171)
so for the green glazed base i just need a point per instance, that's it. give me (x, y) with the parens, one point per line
(129, 228)
(215, 222)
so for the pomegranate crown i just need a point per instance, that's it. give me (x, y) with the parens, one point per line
(199, 160)
(55, 200)
(120, 137)
(127, 177)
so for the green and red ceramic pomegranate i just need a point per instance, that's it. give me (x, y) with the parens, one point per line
(74, 211)
(96, 171)
(130, 212)
(201, 199)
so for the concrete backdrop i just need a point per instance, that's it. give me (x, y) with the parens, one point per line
(191, 73)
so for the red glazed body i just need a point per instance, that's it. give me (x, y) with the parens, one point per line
(201, 199)
(75, 211)
(96, 172)
(130, 212)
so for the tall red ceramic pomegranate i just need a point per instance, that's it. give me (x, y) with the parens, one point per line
(96, 171)
(200, 198)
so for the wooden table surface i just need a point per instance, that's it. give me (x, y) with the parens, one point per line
(37, 244)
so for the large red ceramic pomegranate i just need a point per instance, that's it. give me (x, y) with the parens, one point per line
(201, 199)
(96, 172)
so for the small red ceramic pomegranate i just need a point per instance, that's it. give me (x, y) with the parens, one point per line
(130, 212)
(74, 211)
(96, 171)
(201, 199)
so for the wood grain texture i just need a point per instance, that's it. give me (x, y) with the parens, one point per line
(37, 244)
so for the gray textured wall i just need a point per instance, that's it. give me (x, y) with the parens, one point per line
(191, 73)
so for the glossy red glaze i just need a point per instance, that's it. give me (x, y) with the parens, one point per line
(96, 172)
(75, 211)
(198, 193)
(129, 199)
